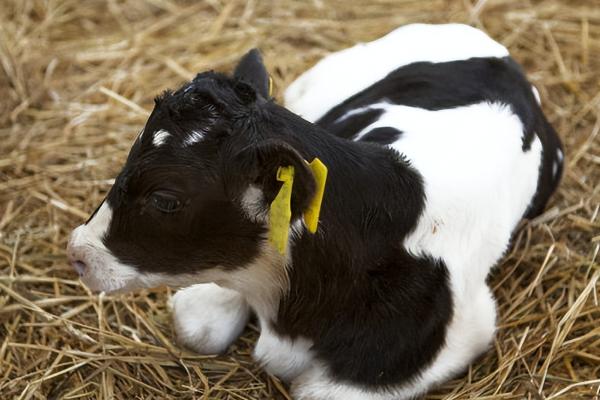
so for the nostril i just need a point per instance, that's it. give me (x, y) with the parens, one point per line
(79, 266)
(75, 255)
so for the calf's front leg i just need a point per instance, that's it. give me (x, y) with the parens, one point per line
(208, 318)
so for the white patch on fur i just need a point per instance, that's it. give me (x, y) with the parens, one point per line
(478, 184)
(193, 138)
(160, 137)
(536, 94)
(253, 204)
(208, 318)
(103, 271)
(472, 163)
(357, 111)
(315, 383)
(281, 356)
(347, 72)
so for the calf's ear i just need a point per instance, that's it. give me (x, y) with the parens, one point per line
(257, 166)
(252, 71)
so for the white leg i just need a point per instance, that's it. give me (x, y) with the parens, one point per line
(282, 356)
(208, 318)
(472, 329)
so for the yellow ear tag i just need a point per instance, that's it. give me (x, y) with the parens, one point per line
(270, 86)
(311, 216)
(280, 213)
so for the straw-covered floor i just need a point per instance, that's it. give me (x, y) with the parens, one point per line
(77, 79)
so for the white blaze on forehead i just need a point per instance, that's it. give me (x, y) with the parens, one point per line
(160, 137)
(193, 138)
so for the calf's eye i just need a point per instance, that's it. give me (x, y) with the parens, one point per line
(165, 202)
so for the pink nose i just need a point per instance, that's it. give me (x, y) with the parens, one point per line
(79, 266)
(75, 256)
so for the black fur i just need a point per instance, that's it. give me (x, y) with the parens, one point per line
(376, 314)
(437, 86)
(252, 70)
(383, 135)
(348, 127)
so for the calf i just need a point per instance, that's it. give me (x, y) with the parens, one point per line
(435, 146)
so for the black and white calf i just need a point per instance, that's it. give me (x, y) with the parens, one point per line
(436, 147)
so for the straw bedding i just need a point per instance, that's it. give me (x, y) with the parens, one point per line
(77, 80)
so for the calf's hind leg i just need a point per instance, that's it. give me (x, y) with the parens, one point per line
(469, 334)
(208, 318)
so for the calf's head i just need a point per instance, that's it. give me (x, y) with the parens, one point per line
(190, 204)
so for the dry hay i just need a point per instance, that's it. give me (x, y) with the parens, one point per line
(77, 80)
